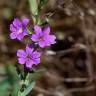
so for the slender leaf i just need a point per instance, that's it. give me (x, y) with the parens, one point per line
(33, 6)
(29, 89)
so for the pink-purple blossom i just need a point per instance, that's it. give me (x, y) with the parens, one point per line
(28, 57)
(19, 28)
(43, 37)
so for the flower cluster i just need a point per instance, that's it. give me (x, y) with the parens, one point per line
(39, 36)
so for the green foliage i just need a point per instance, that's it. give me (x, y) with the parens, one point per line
(10, 82)
(30, 87)
(34, 9)
(27, 90)
(29, 82)
(33, 6)
(4, 87)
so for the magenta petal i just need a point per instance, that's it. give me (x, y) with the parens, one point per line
(37, 61)
(13, 35)
(29, 50)
(21, 53)
(34, 38)
(29, 63)
(20, 36)
(36, 54)
(37, 29)
(46, 31)
(12, 28)
(25, 21)
(30, 46)
(42, 44)
(16, 22)
(25, 32)
(21, 60)
(52, 39)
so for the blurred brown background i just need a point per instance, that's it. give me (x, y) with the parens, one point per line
(70, 64)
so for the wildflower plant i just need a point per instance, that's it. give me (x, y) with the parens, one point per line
(40, 37)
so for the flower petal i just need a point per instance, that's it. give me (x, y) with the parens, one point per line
(13, 35)
(29, 63)
(21, 60)
(29, 50)
(36, 55)
(25, 31)
(29, 45)
(37, 29)
(21, 53)
(42, 44)
(12, 28)
(25, 21)
(34, 38)
(17, 22)
(20, 36)
(36, 61)
(50, 39)
(46, 31)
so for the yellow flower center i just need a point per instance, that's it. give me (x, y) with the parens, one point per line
(20, 30)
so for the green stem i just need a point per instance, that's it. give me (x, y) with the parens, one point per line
(35, 8)
(25, 83)
(27, 89)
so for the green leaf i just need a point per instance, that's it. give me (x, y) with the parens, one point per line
(27, 90)
(33, 6)
(15, 89)
(30, 87)
(12, 79)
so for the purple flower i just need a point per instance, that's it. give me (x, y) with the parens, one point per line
(28, 57)
(42, 37)
(19, 28)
